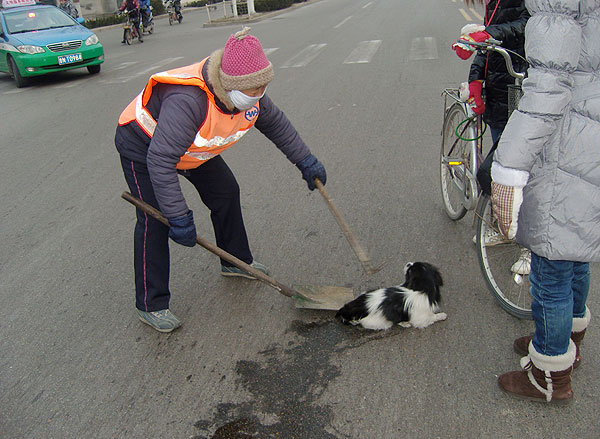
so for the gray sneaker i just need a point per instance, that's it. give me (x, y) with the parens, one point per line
(237, 272)
(163, 320)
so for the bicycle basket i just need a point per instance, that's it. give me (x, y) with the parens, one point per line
(514, 96)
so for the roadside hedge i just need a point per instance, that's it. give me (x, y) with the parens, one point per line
(157, 9)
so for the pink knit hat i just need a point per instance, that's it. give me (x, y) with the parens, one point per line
(244, 64)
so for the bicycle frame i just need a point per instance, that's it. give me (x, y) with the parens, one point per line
(463, 170)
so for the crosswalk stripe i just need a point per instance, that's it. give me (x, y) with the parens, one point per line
(305, 56)
(464, 14)
(342, 22)
(423, 48)
(479, 17)
(363, 53)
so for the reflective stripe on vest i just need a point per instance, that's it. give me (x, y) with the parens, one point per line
(219, 130)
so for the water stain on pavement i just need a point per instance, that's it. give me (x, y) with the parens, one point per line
(286, 386)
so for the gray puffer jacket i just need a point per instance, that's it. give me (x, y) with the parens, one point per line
(551, 145)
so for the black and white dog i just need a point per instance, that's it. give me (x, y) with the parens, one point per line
(414, 303)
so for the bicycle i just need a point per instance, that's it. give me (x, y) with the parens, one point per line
(173, 11)
(129, 30)
(460, 158)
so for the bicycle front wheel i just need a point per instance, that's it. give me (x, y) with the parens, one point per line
(454, 182)
(504, 264)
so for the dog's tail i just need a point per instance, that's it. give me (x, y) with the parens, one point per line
(353, 311)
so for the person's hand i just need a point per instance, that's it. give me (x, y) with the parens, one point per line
(312, 168)
(471, 32)
(475, 100)
(506, 203)
(182, 229)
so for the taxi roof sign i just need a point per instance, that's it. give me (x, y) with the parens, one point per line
(13, 3)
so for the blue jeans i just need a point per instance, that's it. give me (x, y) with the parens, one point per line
(495, 133)
(559, 290)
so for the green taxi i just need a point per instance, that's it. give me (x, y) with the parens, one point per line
(37, 39)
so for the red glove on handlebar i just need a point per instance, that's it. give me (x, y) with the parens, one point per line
(464, 51)
(475, 99)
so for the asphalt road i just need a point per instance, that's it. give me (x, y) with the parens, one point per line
(76, 363)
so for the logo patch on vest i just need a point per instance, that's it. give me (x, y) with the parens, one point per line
(251, 113)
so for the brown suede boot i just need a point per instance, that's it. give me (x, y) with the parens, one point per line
(521, 345)
(543, 378)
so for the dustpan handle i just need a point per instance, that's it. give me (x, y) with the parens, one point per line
(283, 289)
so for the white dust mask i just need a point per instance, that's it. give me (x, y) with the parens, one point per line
(242, 101)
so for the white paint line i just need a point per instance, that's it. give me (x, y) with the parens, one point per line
(423, 48)
(363, 53)
(270, 50)
(464, 14)
(152, 69)
(18, 90)
(476, 14)
(305, 56)
(123, 65)
(342, 22)
(367, 5)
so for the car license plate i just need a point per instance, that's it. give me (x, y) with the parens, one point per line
(68, 59)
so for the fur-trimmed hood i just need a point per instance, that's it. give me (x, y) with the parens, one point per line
(214, 80)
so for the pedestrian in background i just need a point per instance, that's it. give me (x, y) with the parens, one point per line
(546, 189)
(179, 125)
(69, 8)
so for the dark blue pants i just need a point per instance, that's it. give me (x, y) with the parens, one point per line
(218, 190)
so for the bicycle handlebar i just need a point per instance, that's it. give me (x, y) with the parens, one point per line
(492, 45)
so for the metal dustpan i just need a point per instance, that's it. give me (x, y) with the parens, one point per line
(322, 297)
(311, 297)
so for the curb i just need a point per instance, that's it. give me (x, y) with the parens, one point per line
(222, 22)
(258, 16)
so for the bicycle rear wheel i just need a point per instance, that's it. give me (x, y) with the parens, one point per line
(501, 260)
(452, 177)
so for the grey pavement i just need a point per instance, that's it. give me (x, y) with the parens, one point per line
(75, 362)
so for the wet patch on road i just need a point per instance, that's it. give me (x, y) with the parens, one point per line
(286, 386)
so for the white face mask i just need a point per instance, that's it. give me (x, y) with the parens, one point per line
(242, 101)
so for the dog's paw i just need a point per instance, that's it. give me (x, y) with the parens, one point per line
(405, 324)
(441, 316)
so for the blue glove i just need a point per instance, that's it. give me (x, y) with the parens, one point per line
(182, 229)
(312, 168)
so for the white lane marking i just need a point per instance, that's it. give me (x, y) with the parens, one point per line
(423, 48)
(367, 5)
(342, 22)
(476, 14)
(73, 83)
(464, 14)
(270, 50)
(17, 90)
(305, 56)
(123, 65)
(363, 53)
(152, 69)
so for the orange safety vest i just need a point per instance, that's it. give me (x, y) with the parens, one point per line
(218, 131)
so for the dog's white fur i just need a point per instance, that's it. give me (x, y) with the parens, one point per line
(380, 309)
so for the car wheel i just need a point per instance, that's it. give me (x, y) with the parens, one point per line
(14, 72)
(94, 69)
